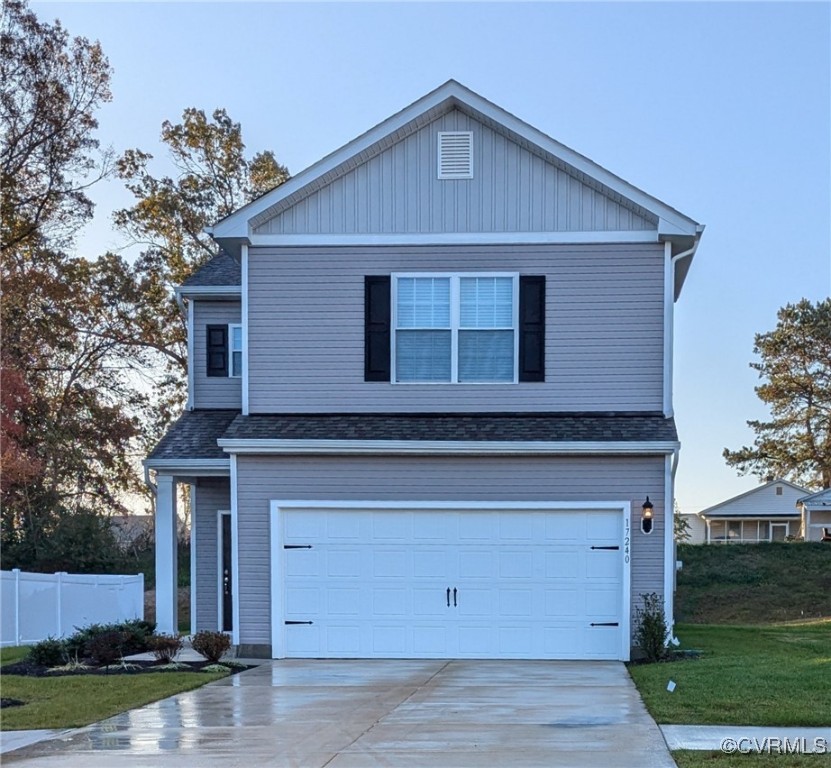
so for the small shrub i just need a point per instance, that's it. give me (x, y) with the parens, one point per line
(233, 664)
(134, 636)
(48, 653)
(106, 648)
(651, 628)
(165, 647)
(211, 645)
(216, 668)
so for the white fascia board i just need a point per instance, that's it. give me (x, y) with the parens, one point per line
(208, 291)
(434, 447)
(459, 238)
(204, 467)
(236, 225)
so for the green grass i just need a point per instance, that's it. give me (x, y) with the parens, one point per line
(753, 583)
(70, 702)
(686, 758)
(12, 654)
(774, 675)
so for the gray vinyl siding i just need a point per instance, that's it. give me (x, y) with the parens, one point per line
(262, 479)
(604, 328)
(213, 392)
(512, 190)
(212, 495)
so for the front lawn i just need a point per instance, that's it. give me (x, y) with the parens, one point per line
(686, 758)
(777, 675)
(70, 702)
(13, 653)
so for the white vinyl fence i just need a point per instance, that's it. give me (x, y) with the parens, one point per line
(34, 606)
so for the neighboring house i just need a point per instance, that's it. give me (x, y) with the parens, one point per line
(815, 516)
(430, 393)
(766, 513)
(697, 528)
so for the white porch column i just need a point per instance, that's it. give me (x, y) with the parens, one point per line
(167, 570)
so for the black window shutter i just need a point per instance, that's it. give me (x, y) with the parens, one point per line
(217, 341)
(377, 319)
(532, 328)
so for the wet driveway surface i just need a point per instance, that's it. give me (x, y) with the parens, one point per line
(361, 714)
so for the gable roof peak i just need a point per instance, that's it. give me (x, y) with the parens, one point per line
(236, 228)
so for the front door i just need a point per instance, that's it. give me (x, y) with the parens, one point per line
(226, 620)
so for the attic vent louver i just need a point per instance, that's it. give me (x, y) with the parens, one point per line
(455, 154)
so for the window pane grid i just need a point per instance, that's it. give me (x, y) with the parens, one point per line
(455, 329)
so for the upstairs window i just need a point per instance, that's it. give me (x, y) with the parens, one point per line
(236, 350)
(224, 350)
(455, 328)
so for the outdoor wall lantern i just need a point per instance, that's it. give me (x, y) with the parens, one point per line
(646, 516)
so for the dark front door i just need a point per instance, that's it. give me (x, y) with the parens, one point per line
(227, 618)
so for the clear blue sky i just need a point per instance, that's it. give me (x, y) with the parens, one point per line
(719, 109)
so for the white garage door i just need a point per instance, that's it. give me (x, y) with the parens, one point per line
(450, 583)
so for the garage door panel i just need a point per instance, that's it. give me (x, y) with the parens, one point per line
(517, 526)
(561, 602)
(302, 562)
(345, 527)
(514, 564)
(343, 563)
(302, 600)
(430, 563)
(602, 604)
(396, 563)
(430, 600)
(477, 526)
(563, 565)
(430, 640)
(389, 641)
(475, 601)
(516, 602)
(476, 563)
(389, 602)
(343, 602)
(528, 585)
(602, 565)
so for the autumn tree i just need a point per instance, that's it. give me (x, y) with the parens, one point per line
(50, 89)
(70, 411)
(795, 367)
(212, 178)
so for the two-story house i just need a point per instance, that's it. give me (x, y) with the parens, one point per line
(430, 403)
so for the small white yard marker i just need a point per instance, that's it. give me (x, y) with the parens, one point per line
(671, 686)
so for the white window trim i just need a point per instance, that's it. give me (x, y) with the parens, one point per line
(231, 350)
(455, 311)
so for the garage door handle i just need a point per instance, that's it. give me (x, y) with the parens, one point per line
(605, 547)
(454, 597)
(297, 546)
(605, 624)
(448, 597)
(298, 622)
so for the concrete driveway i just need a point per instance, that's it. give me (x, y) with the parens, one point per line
(360, 714)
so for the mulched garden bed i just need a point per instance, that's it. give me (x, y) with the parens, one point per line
(28, 669)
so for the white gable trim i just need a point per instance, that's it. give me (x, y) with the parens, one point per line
(437, 447)
(459, 238)
(453, 95)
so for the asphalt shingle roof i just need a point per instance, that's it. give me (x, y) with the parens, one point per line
(565, 427)
(220, 270)
(193, 436)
